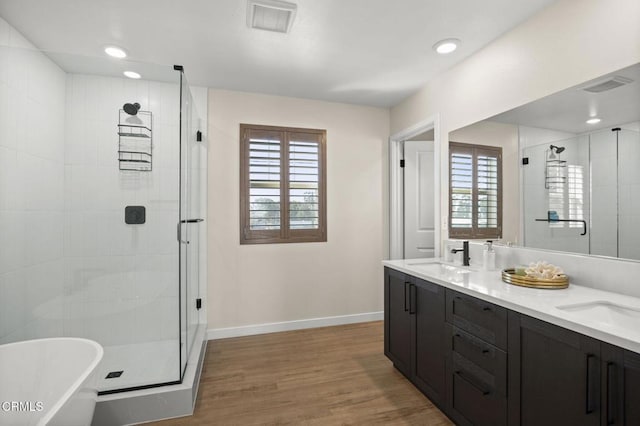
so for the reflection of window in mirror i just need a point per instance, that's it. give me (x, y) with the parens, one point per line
(475, 191)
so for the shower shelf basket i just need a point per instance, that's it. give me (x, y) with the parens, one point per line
(555, 173)
(135, 144)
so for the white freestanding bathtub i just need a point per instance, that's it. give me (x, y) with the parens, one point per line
(49, 382)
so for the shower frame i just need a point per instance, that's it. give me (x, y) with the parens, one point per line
(185, 119)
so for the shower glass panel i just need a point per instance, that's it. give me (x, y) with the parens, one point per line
(604, 193)
(193, 171)
(191, 218)
(595, 179)
(556, 185)
(628, 194)
(94, 252)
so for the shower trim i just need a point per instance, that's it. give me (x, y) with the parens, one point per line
(136, 388)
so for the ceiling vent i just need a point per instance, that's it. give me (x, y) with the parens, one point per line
(611, 83)
(270, 15)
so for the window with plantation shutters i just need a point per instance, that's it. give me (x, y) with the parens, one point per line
(282, 185)
(475, 191)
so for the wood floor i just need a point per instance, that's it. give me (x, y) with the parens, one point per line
(322, 376)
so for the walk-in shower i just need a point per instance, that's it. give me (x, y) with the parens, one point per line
(102, 218)
(580, 193)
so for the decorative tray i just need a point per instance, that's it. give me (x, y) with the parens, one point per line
(509, 276)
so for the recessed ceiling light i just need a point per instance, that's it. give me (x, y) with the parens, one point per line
(115, 52)
(447, 45)
(593, 120)
(132, 74)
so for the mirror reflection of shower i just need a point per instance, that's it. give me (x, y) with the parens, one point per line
(132, 109)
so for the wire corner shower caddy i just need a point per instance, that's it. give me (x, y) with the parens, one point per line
(135, 139)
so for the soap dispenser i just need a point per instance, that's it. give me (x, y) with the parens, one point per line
(489, 257)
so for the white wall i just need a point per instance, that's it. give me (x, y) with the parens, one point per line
(505, 136)
(32, 101)
(533, 136)
(568, 43)
(258, 284)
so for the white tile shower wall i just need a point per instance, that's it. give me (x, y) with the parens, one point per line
(122, 280)
(32, 115)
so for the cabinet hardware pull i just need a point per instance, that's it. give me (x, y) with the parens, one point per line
(590, 383)
(412, 299)
(485, 308)
(472, 343)
(406, 283)
(484, 392)
(611, 389)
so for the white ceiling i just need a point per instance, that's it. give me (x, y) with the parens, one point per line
(372, 52)
(569, 109)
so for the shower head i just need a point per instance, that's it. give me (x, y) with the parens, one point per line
(556, 149)
(131, 109)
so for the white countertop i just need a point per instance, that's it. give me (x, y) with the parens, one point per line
(612, 326)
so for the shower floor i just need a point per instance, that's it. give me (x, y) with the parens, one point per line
(141, 364)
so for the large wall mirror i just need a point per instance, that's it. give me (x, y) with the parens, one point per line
(571, 167)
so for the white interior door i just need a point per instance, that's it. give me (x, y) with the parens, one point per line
(419, 223)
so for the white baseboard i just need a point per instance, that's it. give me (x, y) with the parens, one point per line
(249, 330)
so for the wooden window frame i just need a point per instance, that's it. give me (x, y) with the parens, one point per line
(284, 234)
(475, 232)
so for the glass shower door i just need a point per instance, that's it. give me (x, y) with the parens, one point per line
(190, 219)
(628, 186)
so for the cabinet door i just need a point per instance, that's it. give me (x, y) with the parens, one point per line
(554, 375)
(631, 381)
(429, 361)
(621, 386)
(397, 320)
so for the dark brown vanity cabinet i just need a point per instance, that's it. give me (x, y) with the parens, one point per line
(414, 331)
(476, 361)
(483, 364)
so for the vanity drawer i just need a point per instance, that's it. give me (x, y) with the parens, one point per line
(477, 317)
(474, 396)
(488, 357)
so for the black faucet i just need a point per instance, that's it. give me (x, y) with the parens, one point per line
(465, 252)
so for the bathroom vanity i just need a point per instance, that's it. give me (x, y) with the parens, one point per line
(489, 353)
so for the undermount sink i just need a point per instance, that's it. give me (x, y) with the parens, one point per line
(605, 312)
(440, 268)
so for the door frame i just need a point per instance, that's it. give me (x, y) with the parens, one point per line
(396, 184)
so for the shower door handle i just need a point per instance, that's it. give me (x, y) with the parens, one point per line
(179, 233)
(191, 220)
